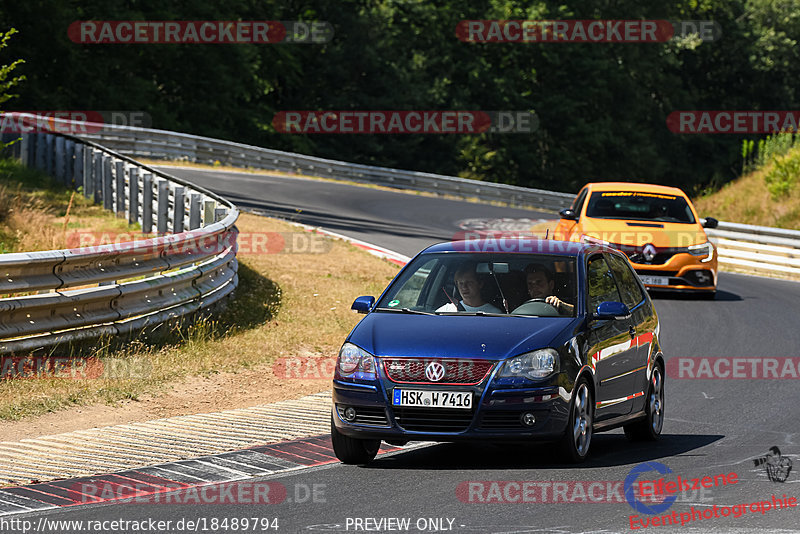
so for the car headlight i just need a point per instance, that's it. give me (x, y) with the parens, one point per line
(355, 362)
(706, 249)
(536, 364)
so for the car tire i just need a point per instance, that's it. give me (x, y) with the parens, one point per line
(649, 428)
(578, 435)
(353, 451)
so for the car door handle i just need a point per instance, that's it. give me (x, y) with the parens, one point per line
(632, 331)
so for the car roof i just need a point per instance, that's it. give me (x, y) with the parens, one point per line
(515, 245)
(636, 187)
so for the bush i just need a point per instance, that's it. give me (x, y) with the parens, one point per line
(782, 176)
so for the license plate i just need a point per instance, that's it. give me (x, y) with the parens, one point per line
(655, 280)
(432, 399)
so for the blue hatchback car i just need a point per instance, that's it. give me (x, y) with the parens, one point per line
(507, 339)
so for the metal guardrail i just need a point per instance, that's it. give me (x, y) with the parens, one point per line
(762, 250)
(161, 144)
(189, 266)
(757, 249)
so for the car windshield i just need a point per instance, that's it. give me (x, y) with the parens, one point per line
(639, 206)
(485, 284)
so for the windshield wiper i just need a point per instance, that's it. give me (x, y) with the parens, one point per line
(405, 310)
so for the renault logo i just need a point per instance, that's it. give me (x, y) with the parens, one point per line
(649, 252)
(434, 371)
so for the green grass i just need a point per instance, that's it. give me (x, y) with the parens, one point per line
(286, 304)
(33, 211)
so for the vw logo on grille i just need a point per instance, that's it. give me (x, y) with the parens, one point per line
(434, 371)
(649, 252)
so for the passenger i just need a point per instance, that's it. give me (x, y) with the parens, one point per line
(469, 286)
(540, 284)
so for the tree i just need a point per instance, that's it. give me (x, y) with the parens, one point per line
(7, 83)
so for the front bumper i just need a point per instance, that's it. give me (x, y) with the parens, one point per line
(496, 414)
(683, 272)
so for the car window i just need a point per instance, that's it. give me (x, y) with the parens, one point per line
(485, 283)
(626, 281)
(577, 206)
(601, 284)
(408, 294)
(635, 205)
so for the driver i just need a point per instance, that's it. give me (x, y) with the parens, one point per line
(469, 286)
(540, 284)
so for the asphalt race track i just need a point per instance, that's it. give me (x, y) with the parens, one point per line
(712, 427)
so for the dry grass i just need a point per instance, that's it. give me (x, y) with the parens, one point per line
(747, 200)
(286, 305)
(37, 214)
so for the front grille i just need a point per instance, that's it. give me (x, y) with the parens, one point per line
(501, 419)
(636, 254)
(654, 272)
(456, 370)
(366, 415)
(659, 259)
(433, 419)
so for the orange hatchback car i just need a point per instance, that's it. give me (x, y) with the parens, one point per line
(655, 226)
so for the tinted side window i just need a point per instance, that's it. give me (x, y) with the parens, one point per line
(602, 286)
(628, 287)
(577, 206)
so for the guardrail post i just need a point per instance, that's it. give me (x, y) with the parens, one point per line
(15, 150)
(162, 216)
(178, 210)
(208, 212)
(107, 184)
(69, 165)
(88, 172)
(133, 195)
(29, 152)
(41, 146)
(58, 159)
(119, 190)
(78, 172)
(97, 176)
(49, 154)
(5, 137)
(147, 203)
(194, 211)
(24, 147)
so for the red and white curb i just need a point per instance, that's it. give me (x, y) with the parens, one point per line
(217, 479)
(118, 447)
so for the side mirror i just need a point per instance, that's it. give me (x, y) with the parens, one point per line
(710, 222)
(612, 310)
(568, 214)
(363, 304)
